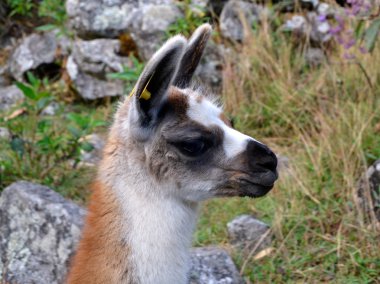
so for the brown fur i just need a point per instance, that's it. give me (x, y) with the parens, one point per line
(225, 119)
(179, 102)
(102, 253)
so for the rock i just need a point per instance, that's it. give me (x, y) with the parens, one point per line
(33, 51)
(236, 17)
(51, 109)
(246, 233)
(210, 69)
(9, 96)
(216, 6)
(212, 265)
(368, 194)
(314, 56)
(149, 30)
(89, 64)
(5, 78)
(38, 233)
(92, 157)
(319, 29)
(309, 27)
(4, 133)
(146, 21)
(283, 164)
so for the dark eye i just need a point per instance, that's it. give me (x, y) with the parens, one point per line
(193, 148)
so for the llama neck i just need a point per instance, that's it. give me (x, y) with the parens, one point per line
(158, 233)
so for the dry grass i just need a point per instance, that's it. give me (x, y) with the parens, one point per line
(326, 120)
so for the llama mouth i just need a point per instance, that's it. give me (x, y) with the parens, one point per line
(253, 189)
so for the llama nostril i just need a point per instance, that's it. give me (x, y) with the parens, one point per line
(261, 157)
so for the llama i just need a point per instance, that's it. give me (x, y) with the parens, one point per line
(169, 148)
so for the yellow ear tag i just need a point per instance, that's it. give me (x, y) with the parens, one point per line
(146, 95)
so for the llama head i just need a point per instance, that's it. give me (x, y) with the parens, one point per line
(180, 139)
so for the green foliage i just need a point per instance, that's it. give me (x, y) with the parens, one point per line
(42, 148)
(371, 34)
(21, 7)
(194, 16)
(56, 12)
(52, 10)
(130, 74)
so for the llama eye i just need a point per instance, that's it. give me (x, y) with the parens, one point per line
(193, 148)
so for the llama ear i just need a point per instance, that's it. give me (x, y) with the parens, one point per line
(153, 83)
(192, 56)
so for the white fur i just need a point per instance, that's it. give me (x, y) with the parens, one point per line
(208, 114)
(159, 226)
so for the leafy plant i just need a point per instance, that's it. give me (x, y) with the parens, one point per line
(43, 148)
(20, 7)
(55, 11)
(195, 15)
(130, 74)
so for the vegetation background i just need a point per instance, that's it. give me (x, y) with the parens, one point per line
(325, 118)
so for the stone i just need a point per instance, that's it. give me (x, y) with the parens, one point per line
(5, 77)
(314, 56)
(34, 50)
(309, 27)
(216, 6)
(91, 62)
(211, 265)
(283, 164)
(210, 69)
(4, 133)
(236, 17)
(146, 21)
(50, 109)
(39, 230)
(150, 27)
(246, 233)
(320, 30)
(368, 193)
(92, 157)
(9, 96)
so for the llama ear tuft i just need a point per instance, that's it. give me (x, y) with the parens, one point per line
(192, 56)
(152, 86)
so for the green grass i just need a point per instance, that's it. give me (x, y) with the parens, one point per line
(326, 120)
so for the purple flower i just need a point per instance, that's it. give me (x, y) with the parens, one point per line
(335, 30)
(363, 49)
(322, 18)
(348, 56)
(349, 43)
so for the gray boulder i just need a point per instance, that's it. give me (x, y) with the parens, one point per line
(4, 133)
(9, 96)
(368, 194)
(238, 16)
(38, 233)
(212, 265)
(314, 56)
(5, 77)
(309, 27)
(246, 234)
(146, 21)
(210, 69)
(89, 64)
(33, 51)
